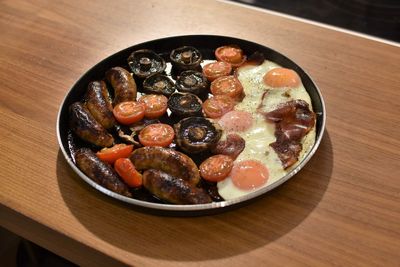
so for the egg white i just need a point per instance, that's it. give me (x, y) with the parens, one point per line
(261, 134)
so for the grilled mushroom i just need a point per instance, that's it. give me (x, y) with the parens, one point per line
(158, 84)
(186, 58)
(192, 82)
(144, 63)
(197, 134)
(185, 104)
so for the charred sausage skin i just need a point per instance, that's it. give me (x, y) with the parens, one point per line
(172, 189)
(99, 104)
(123, 83)
(167, 160)
(100, 172)
(87, 128)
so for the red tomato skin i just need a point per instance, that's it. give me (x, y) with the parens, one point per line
(216, 168)
(230, 54)
(110, 155)
(156, 105)
(127, 171)
(158, 134)
(215, 107)
(124, 116)
(229, 86)
(216, 69)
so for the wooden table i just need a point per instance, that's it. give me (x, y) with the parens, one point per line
(342, 209)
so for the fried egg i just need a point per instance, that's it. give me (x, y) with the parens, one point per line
(265, 86)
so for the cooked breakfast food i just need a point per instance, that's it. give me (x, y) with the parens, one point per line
(216, 69)
(172, 189)
(158, 84)
(191, 81)
(145, 62)
(84, 125)
(197, 134)
(100, 172)
(155, 105)
(98, 102)
(123, 83)
(232, 146)
(185, 105)
(231, 54)
(191, 130)
(167, 160)
(275, 119)
(186, 58)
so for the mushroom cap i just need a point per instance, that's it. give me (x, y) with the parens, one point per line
(197, 134)
(159, 84)
(185, 104)
(186, 58)
(192, 82)
(145, 62)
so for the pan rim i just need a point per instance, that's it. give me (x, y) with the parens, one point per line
(194, 207)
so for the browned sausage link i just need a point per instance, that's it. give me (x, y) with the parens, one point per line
(232, 146)
(98, 102)
(123, 83)
(167, 160)
(87, 128)
(100, 172)
(172, 189)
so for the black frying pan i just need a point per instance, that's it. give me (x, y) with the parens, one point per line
(206, 44)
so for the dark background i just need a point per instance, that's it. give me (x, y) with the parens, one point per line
(379, 18)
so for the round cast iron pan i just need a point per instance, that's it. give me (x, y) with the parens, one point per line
(206, 44)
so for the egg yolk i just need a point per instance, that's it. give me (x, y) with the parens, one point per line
(236, 121)
(249, 174)
(281, 77)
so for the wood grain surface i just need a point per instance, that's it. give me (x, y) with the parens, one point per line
(342, 209)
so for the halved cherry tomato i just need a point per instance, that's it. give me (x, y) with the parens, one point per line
(216, 168)
(111, 154)
(230, 54)
(129, 112)
(227, 85)
(156, 105)
(127, 171)
(217, 69)
(217, 106)
(158, 134)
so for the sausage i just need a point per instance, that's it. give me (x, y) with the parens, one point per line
(123, 83)
(167, 160)
(232, 146)
(87, 128)
(99, 104)
(100, 172)
(172, 189)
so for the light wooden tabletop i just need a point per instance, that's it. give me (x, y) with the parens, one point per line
(342, 209)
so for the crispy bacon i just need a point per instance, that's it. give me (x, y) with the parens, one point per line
(293, 120)
(262, 105)
(232, 146)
